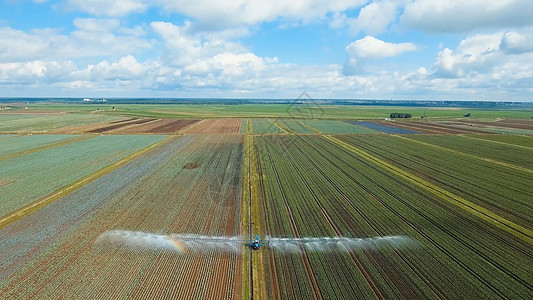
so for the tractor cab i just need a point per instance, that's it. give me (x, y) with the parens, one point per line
(256, 243)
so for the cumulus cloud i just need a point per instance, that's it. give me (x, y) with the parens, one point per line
(112, 8)
(463, 16)
(475, 54)
(499, 62)
(370, 48)
(517, 42)
(223, 14)
(92, 37)
(374, 18)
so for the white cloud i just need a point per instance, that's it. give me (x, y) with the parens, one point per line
(499, 63)
(35, 71)
(517, 42)
(475, 54)
(223, 14)
(112, 8)
(369, 48)
(463, 16)
(375, 17)
(93, 37)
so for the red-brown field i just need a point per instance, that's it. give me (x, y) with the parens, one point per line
(434, 127)
(507, 123)
(119, 125)
(164, 126)
(217, 126)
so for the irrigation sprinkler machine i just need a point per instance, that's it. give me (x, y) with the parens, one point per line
(138, 241)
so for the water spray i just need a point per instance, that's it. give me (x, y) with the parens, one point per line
(138, 241)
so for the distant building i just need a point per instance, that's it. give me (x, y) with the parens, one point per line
(86, 100)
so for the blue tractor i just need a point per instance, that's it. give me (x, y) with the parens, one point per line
(256, 243)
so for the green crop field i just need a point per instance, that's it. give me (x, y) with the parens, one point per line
(29, 177)
(46, 122)
(465, 176)
(315, 111)
(264, 126)
(509, 139)
(479, 147)
(315, 187)
(294, 126)
(344, 211)
(28, 142)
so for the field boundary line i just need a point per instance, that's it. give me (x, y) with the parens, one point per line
(477, 210)
(309, 126)
(51, 146)
(497, 162)
(70, 188)
(497, 142)
(249, 127)
(277, 125)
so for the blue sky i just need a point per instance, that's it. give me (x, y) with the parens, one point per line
(387, 49)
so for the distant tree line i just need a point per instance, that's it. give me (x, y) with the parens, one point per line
(400, 115)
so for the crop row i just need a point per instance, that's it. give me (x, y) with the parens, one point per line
(32, 176)
(293, 126)
(191, 184)
(264, 126)
(519, 156)
(505, 194)
(214, 126)
(327, 190)
(516, 140)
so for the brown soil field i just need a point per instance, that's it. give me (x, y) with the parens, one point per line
(119, 125)
(436, 128)
(218, 126)
(507, 123)
(409, 126)
(164, 126)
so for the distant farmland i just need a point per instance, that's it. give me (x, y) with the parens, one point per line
(89, 213)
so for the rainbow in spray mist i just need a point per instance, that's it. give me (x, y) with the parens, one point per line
(138, 241)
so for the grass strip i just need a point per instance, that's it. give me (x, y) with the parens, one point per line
(479, 211)
(63, 191)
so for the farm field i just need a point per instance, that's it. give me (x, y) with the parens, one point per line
(383, 128)
(294, 126)
(315, 187)
(162, 126)
(264, 126)
(477, 145)
(509, 139)
(434, 127)
(42, 123)
(24, 143)
(29, 177)
(147, 195)
(329, 126)
(465, 176)
(217, 126)
(442, 214)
